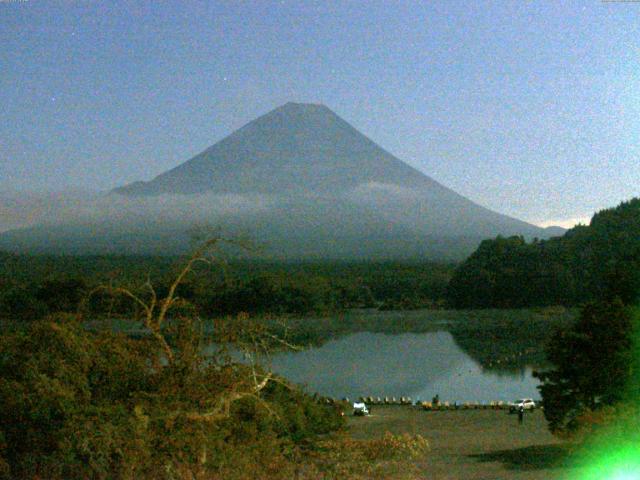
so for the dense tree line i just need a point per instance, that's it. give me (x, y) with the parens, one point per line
(32, 287)
(598, 261)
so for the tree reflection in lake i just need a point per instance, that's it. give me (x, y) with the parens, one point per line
(407, 364)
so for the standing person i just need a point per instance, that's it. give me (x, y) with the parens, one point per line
(521, 414)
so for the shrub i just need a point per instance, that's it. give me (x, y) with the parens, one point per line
(78, 405)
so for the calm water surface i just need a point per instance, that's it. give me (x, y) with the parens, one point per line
(418, 365)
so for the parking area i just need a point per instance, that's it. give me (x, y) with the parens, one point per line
(472, 444)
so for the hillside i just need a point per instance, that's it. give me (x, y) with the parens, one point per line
(601, 260)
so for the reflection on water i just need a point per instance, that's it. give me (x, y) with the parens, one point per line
(418, 365)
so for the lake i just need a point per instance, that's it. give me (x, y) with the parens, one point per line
(464, 356)
(418, 365)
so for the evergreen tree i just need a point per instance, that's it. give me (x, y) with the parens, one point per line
(592, 364)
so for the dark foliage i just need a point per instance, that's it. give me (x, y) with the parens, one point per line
(592, 362)
(81, 405)
(32, 287)
(592, 262)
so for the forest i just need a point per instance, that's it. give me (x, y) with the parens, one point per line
(32, 287)
(592, 262)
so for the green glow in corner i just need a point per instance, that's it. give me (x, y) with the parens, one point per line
(620, 464)
(615, 453)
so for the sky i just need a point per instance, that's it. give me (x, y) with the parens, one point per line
(529, 108)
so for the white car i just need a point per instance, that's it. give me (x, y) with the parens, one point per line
(360, 409)
(524, 403)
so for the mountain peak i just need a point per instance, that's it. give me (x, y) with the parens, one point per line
(304, 150)
(303, 147)
(301, 106)
(302, 110)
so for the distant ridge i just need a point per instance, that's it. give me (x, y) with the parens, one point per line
(309, 185)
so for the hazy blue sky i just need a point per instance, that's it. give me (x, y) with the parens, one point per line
(529, 108)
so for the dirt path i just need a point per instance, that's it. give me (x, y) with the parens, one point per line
(472, 444)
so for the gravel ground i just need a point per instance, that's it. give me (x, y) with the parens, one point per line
(473, 444)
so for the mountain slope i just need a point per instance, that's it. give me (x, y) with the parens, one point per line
(305, 182)
(297, 147)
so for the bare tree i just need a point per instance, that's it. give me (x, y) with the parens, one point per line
(248, 337)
